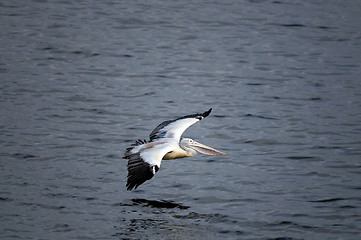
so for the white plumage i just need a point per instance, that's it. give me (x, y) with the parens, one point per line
(144, 158)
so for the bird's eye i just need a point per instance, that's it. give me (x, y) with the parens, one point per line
(191, 141)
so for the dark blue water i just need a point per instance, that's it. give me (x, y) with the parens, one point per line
(80, 81)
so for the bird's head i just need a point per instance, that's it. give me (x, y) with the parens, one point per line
(193, 147)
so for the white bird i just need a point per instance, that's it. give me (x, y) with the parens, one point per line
(144, 157)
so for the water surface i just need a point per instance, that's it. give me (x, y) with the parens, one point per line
(81, 81)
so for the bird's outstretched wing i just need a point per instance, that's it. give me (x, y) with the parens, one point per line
(175, 128)
(143, 164)
(144, 158)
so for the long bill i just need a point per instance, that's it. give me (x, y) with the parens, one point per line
(205, 149)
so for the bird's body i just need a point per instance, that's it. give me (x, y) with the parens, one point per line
(144, 158)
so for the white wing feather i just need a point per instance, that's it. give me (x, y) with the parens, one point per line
(175, 128)
(155, 154)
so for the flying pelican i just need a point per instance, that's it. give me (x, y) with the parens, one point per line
(144, 157)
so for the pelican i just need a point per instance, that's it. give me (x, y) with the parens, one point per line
(165, 143)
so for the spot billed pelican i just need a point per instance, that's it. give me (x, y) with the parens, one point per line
(165, 142)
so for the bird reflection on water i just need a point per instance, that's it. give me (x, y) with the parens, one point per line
(141, 218)
(158, 204)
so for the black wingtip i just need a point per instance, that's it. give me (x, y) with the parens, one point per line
(205, 114)
(139, 171)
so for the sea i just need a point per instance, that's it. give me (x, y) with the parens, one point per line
(80, 81)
